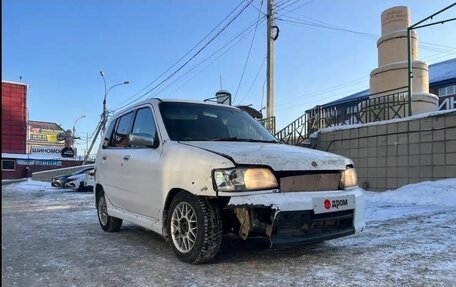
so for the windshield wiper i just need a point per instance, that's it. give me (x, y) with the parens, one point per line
(235, 139)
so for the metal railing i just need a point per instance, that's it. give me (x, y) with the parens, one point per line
(358, 111)
(269, 124)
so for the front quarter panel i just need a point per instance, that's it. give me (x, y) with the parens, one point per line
(190, 168)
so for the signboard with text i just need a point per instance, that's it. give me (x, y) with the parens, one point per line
(51, 150)
(40, 162)
(44, 133)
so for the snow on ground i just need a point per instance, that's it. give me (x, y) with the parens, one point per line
(51, 237)
(32, 185)
(407, 200)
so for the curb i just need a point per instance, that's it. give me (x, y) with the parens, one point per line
(10, 181)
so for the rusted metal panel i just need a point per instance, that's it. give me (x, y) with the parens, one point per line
(310, 182)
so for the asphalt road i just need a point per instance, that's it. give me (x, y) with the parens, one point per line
(51, 237)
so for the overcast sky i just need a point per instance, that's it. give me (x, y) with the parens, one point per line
(59, 47)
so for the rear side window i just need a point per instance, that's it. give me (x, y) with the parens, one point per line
(122, 131)
(107, 135)
(144, 123)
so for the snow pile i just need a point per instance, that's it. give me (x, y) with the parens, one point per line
(419, 198)
(440, 192)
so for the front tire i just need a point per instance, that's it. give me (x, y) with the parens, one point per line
(107, 223)
(195, 228)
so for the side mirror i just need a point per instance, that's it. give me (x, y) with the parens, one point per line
(141, 140)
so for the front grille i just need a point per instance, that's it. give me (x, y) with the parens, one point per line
(307, 227)
(310, 181)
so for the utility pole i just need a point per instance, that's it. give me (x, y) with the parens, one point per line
(104, 116)
(93, 141)
(270, 60)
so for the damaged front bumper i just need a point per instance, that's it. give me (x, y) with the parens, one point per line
(299, 217)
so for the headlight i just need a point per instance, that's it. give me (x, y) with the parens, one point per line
(243, 179)
(349, 178)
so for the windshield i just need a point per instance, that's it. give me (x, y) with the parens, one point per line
(202, 122)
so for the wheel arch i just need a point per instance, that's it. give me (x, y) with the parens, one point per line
(169, 199)
(97, 192)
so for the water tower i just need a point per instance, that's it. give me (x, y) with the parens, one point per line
(391, 76)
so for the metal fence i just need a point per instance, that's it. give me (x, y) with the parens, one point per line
(359, 111)
(269, 124)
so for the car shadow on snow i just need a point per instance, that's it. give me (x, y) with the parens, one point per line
(234, 249)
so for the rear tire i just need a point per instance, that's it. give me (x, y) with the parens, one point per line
(107, 223)
(195, 228)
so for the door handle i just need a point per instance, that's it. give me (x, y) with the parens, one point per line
(126, 157)
(104, 157)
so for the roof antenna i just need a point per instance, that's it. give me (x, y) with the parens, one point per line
(220, 81)
(20, 79)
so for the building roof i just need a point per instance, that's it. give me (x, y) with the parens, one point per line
(15, 83)
(45, 125)
(442, 71)
(438, 73)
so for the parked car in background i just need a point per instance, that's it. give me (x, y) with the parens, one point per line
(81, 182)
(194, 171)
(59, 181)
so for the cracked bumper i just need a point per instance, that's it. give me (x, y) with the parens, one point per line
(299, 217)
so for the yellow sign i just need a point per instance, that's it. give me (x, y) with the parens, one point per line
(45, 136)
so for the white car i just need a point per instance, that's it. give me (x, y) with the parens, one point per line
(82, 181)
(193, 171)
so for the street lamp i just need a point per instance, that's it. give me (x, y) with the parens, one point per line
(74, 128)
(105, 117)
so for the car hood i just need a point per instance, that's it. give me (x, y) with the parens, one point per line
(277, 156)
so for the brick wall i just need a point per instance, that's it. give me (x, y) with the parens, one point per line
(14, 117)
(388, 155)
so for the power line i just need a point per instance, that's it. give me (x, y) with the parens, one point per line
(295, 8)
(337, 86)
(326, 27)
(319, 99)
(424, 45)
(248, 54)
(181, 58)
(320, 92)
(285, 6)
(224, 52)
(254, 80)
(241, 35)
(286, 3)
(192, 57)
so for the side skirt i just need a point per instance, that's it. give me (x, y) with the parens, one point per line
(141, 220)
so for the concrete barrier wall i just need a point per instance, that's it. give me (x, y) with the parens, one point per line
(391, 154)
(49, 174)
